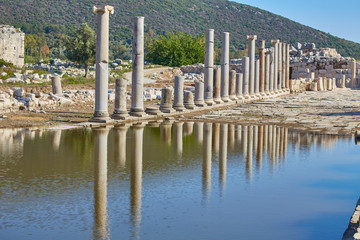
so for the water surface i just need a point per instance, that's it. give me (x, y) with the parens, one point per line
(176, 181)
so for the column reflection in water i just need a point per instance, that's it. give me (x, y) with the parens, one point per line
(206, 164)
(278, 137)
(238, 135)
(231, 136)
(249, 155)
(223, 155)
(244, 141)
(198, 132)
(285, 141)
(56, 137)
(136, 177)
(100, 183)
(216, 136)
(120, 145)
(255, 139)
(273, 146)
(178, 137)
(260, 144)
(188, 128)
(266, 138)
(165, 132)
(282, 132)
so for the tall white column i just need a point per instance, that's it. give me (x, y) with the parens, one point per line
(245, 63)
(209, 67)
(267, 73)
(262, 68)
(251, 55)
(137, 98)
(102, 60)
(179, 94)
(225, 68)
(275, 44)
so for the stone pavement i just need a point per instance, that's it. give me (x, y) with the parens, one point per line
(333, 112)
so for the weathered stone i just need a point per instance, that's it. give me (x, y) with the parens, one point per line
(166, 97)
(199, 94)
(217, 85)
(246, 77)
(239, 85)
(12, 48)
(120, 110)
(189, 100)
(232, 85)
(251, 54)
(179, 93)
(209, 66)
(56, 84)
(225, 68)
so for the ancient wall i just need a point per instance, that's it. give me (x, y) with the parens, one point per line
(12, 45)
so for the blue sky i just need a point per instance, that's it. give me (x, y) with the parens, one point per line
(337, 17)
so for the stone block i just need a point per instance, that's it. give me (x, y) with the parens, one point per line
(18, 92)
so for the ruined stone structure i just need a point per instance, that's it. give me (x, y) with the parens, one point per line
(12, 45)
(309, 63)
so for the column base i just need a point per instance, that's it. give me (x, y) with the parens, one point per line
(225, 99)
(190, 106)
(101, 117)
(200, 103)
(179, 109)
(153, 111)
(218, 100)
(167, 110)
(209, 102)
(138, 114)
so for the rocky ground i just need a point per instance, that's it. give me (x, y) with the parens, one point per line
(333, 112)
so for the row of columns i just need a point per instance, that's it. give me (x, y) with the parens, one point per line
(259, 77)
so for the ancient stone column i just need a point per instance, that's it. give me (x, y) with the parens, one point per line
(353, 74)
(283, 82)
(120, 110)
(102, 59)
(251, 55)
(232, 85)
(199, 94)
(257, 78)
(225, 68)
(217, 85)
(189, 100)
(166, 96)
(56, 85)
(245, 63)
(272, 71)
(267, 73)
(179, 94)
(209, 66)
(137, 98)
(275, 44)
(287, 76)
(239, 86)
(280, 71)
(262, 68)
(343, 81)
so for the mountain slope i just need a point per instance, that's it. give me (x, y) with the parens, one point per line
(192, 16)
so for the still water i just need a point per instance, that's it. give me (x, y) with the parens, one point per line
(176, 181)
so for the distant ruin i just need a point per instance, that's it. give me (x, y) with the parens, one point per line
(12, 45)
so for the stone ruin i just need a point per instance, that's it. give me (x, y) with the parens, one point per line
(12, 45)
(310, 64)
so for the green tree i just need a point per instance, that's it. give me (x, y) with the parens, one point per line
(82, 47)
(120, 51)
(177, 49)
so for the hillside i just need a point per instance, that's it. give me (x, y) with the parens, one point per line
(192, 16)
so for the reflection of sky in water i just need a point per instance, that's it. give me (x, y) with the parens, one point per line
(191, 181)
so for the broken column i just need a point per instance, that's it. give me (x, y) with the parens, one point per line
(137, 99)
(245, 63)
(179, 94)
(239, 86)
(189, 100)
(120, 111)
(199, 94)
(225, 68)
(353, 74)
(343, 81)
(209, 66)
(217, 85)
(251, 55)
(165, 105)
(102, 59)
(232, 85)
(275, 44)
(262, 68)
(56, 84)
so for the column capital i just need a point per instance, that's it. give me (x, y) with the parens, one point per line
(273, 42)
(251, 37)
(103, 9)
